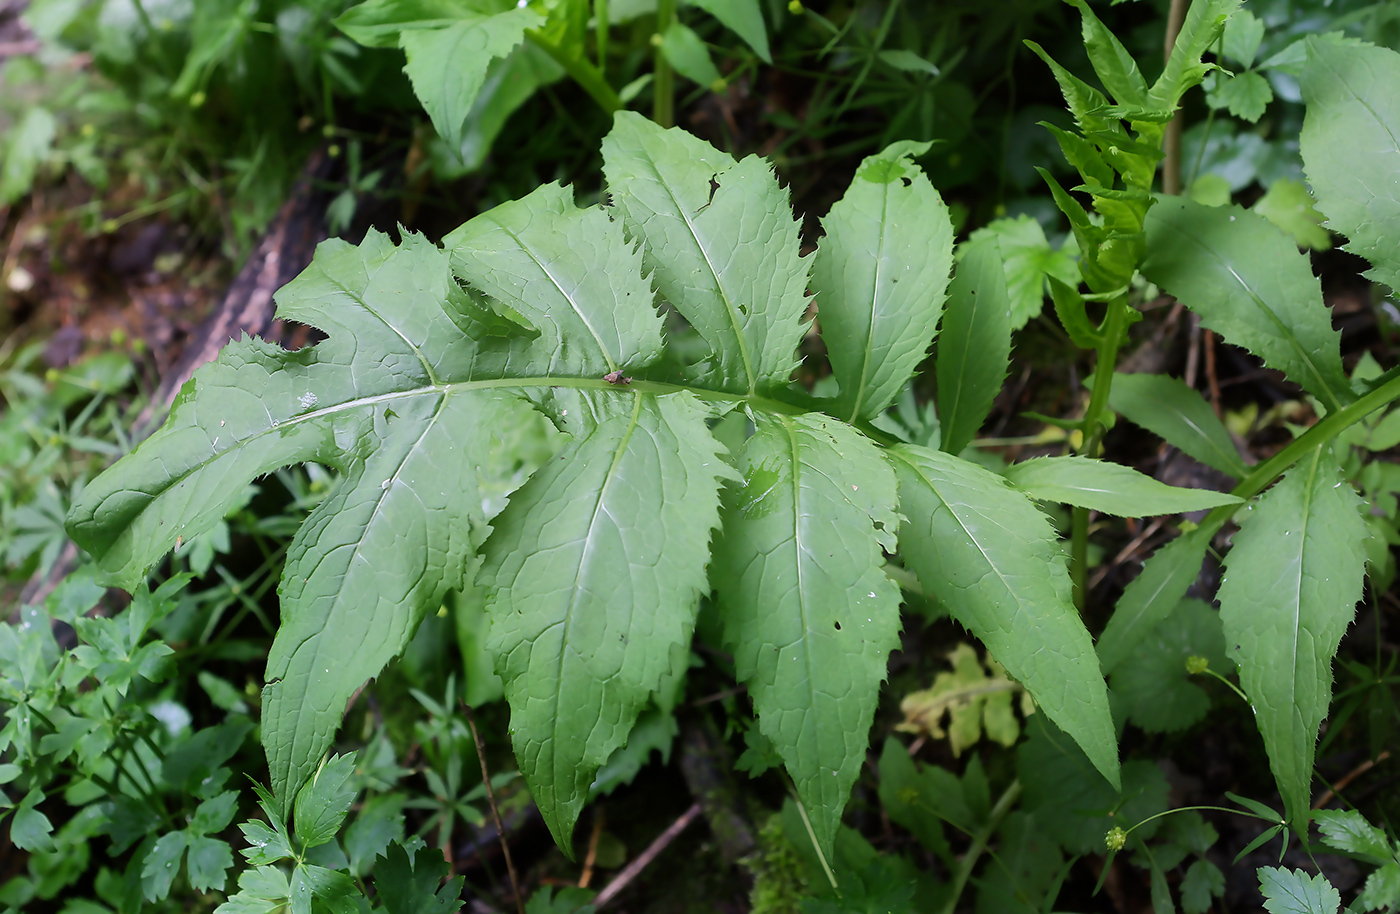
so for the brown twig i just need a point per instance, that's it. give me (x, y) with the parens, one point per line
(624, 878)
(495, 813)
(1171, 142)
(1124, 553)
(592, 856)
(1331, 793)
(718, 696)
(1208, 344)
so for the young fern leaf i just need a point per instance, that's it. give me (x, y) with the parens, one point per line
(880, 275)
(808, 611)
(1291, 584)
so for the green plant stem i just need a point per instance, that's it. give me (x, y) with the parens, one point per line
(600, 16)
(979, 844)
(589, 77)
(1113, 324)
(663, 109)
(1264, 474)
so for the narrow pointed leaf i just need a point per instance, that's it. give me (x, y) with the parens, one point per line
(1166, 406)
(595, 570)
(569, 272)
(1291, 584)
(1248, 282)
(1153, 594)
(880, 275)
(985, 551)
(1108, 487)
(808, 611)
(720, 242)
(975, 346)
(447, 66)
(1350, 90)
(742, 17)
(1111, 61)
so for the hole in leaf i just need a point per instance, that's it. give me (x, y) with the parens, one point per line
(838, 626)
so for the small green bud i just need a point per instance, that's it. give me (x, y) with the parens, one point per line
(656, 39)
(795, 7)
(1116, 839)
(1195, 665)
(197, 100)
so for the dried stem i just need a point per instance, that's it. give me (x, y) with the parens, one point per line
(1171, 142)
(495, 813)
(625, 877)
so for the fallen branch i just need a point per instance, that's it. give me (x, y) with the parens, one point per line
(625, 877)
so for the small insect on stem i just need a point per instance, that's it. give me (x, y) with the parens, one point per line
(617, 378)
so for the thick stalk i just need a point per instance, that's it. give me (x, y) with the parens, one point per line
(979, 844)
(1093, 430)
(589, 78)
(663, 108)
(1264, 474)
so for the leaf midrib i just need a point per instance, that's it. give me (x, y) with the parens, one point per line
(741, 341)
(795, 456)
(562, 777)
(860, 391)
(659, 388)
(573, 305)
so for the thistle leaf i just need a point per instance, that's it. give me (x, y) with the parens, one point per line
(1350, 92)
(880, 275)
(988, 555)
(798, 568)
(595, 571)
(1247, 281)
(720, 241)
(1291, 584)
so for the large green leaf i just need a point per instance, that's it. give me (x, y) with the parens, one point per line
(1350, 147)
(1165, 405)
(1247, 281)
(1110, 488)
(595, 571)
(720, 242)
(1291, 584)
(975, 345)
(797, 569)
(1152, 595)
(447, 66)
(987, 554)
(880, 275)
